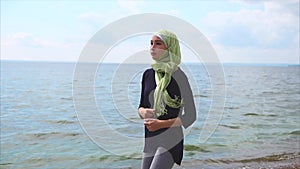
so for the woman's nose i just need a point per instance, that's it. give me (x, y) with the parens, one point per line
(152, 46)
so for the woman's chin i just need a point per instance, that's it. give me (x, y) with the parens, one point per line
(155, 57)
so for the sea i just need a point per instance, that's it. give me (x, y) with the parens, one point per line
(71, 115)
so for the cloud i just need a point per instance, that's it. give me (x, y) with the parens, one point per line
(96, 20)
(277, 6)
(92, 18)
(93, 21)
(253, 28)
(133, 6)
(287, 6)
(27, 46)
(29, 40)
(268, 31)
(25, 39)
(251, 55)
(273, 27)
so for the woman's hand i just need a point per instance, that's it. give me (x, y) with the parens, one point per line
(146, 113)
(156, 124)
(153, 124)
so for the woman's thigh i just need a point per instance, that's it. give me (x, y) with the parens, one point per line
(162, 159)
(147, 160)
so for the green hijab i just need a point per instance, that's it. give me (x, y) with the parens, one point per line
(164, 67)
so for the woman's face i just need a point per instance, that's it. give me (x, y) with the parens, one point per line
(157, 48)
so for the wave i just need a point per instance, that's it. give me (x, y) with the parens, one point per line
(51, 134)
(200, 95)
(270, 158)
(296, 132)
(66, 98)
(256, 114)
(228, 126)
(65, 122)
(251, 114)
(232, 108)
(5, 164)
(111, 158)
(189, 147)
(61, 121)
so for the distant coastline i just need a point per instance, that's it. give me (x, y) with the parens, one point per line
(189, 63)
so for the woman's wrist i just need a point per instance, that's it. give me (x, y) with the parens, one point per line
(164, 124)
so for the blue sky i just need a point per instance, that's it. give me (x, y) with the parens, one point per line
(241, 31)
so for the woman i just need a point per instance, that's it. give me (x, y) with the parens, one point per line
(166, 104)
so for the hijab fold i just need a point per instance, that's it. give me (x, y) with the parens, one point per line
(164, 67)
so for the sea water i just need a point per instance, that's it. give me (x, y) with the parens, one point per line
(44, 125)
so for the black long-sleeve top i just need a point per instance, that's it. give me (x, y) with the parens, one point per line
(169, 138)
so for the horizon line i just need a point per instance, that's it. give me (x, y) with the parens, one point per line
(61, 61)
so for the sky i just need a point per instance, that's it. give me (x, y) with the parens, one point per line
(240, 31)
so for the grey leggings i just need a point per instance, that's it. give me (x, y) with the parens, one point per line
(162, 159)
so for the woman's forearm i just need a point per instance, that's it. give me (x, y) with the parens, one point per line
(175, 122)
(156, 124)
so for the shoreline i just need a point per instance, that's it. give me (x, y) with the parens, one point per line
(293, 163)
